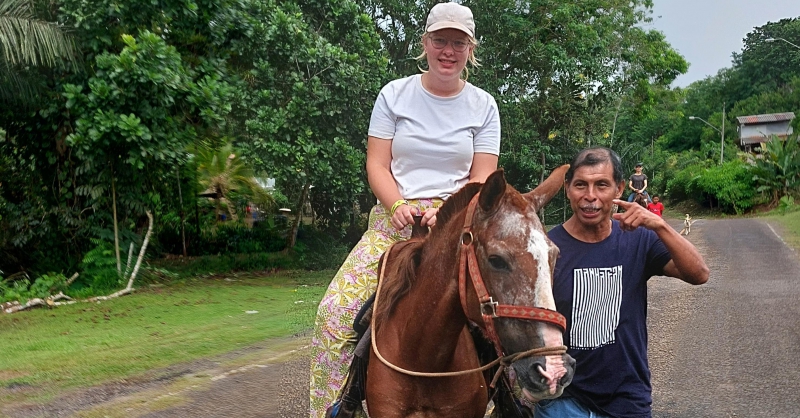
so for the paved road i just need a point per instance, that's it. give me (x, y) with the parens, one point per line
(729, 348)
(724, 349)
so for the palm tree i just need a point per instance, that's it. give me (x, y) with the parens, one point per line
(222, 171)
(27, 41)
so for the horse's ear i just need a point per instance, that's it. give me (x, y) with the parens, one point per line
(542, 194)
(492, 191)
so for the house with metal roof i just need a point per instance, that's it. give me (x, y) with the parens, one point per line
(757, 129)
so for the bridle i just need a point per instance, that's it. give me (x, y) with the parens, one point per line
(490, 309)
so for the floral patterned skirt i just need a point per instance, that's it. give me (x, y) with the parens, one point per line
(333, 341)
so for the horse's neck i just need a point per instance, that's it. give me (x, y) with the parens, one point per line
(429, 319)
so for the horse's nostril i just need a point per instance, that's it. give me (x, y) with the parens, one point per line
(538, 364)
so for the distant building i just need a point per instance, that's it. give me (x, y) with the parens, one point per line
(266, 183)
(757, 129)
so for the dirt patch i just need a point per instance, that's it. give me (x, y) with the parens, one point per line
(9, 374)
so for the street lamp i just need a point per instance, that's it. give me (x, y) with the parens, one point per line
(781, 39)
(721, 132)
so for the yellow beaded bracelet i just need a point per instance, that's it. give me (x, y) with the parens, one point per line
(397, 205)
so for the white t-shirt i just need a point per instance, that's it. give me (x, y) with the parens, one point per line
(434, 138)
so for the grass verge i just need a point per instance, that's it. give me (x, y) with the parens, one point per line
(47, 351)
(790, 226)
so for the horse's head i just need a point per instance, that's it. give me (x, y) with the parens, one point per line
(516, 259)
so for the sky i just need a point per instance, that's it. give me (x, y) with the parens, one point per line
(708, 32)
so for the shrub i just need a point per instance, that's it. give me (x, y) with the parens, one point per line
(226, 237)
(42, 287)
(730, 185)
(316, 250)
(215, 264)
(99, 268)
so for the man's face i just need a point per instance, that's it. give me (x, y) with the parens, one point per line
(638, 169)
(591, 192)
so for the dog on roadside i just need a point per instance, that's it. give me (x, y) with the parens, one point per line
(687, 225)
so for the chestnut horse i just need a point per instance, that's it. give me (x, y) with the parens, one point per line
(640, 199)
(488, 261)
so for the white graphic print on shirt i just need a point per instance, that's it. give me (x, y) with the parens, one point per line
(597, 297)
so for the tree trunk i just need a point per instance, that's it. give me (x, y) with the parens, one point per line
(180, 211)
(219, 210)
(116, 229)
(614, 125)
(298, 217)
(196, 205)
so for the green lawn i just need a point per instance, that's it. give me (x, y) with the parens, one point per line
(84, 344)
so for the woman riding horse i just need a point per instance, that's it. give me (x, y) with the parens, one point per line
(487, 262)
(429, 135)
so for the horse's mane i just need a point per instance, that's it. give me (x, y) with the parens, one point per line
(400, 273)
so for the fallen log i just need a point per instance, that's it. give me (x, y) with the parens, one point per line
(51, 301)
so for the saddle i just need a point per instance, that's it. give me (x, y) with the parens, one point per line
(353, 393)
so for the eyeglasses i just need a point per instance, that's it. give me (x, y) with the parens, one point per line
(459, 45)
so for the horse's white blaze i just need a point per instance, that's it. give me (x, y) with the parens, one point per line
(517, 226)
(540, 250)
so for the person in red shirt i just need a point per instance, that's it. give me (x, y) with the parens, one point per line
(656, 206)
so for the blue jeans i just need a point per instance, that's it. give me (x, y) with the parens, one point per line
(633, 196)
(564, 408)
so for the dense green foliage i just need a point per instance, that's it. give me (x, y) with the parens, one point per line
(682, 155)
(729, 186)
(187, 109)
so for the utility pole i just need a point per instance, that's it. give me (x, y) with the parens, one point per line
(722, 133)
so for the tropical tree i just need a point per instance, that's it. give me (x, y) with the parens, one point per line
(778, 172)
(139, 110)
(766, 66)
(222, 171)
(311, 75)
(27, 40)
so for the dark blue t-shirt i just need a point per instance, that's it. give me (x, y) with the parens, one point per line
(601, 289)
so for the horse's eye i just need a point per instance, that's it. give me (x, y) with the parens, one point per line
(498, 263)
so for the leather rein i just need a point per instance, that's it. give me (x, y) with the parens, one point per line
(490, 309)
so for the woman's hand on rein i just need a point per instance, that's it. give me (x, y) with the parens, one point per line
(429, 217)
(404, 215)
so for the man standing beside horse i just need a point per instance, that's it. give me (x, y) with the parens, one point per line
(600, 286)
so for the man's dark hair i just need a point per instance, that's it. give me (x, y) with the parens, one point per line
(595, 156)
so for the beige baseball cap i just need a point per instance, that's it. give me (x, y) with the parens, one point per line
(451, 15)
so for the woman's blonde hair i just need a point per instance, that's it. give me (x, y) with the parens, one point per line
(472, 59)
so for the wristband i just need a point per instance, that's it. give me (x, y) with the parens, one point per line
(397, 205)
